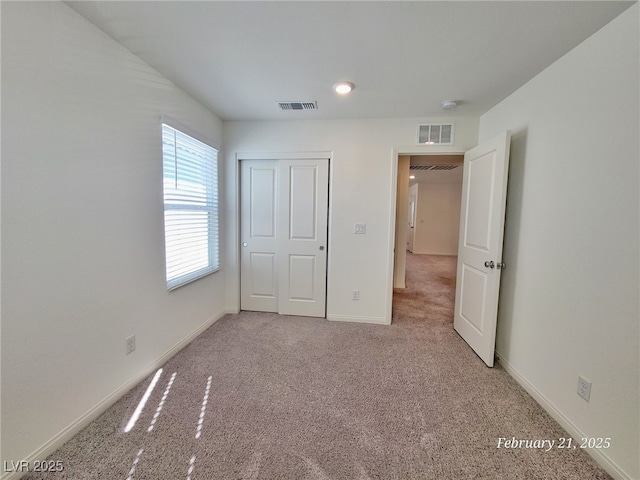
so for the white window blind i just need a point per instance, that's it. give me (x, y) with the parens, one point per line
(190, 184)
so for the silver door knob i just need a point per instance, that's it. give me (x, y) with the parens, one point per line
(501, 265)
(245, 244)
(489, 264)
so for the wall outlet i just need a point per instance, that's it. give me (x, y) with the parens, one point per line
(360, 228)
(355, 295)
(131, 344)
(584, 388)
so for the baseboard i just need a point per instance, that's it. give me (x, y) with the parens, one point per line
(597, 454)
(353, 318)
(69, 432)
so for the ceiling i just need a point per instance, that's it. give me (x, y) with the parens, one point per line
(239, 58)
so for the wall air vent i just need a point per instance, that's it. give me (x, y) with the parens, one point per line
(435, 134)
(433, 167)
(298, 105)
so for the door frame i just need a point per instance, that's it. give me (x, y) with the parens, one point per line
(395, 153)
(305, 155)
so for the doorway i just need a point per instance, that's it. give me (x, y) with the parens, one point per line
(481, 231)
(428, 199)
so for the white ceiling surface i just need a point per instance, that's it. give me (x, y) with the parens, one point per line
(240, 58)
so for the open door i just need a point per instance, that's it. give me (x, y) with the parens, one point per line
(413, 193)
(482, 211)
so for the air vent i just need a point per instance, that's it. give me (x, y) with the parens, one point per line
(298, 105)
(435, 134)
(433, 167)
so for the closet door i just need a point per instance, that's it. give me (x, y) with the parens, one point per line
(284, 205)
(302, 245)
(259, 236)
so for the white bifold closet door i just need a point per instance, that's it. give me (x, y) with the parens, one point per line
(283, 208)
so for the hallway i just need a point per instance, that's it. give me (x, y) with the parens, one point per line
(430, 290)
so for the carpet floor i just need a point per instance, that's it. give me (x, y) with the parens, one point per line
(263, 396)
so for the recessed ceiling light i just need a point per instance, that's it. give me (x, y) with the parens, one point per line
(342, 88)
(412, 177)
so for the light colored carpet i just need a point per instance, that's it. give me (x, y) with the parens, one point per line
(300, 398)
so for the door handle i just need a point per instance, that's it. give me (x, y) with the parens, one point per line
(245, 244)
(499, 265)
(321, 247)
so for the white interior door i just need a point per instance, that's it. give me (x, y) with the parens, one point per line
(259, 236)
(303, 205)
(412, 221)
(284, 205)
(484, 191)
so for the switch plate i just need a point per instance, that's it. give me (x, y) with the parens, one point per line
(355, 295)
(131, 344)
(360, 228)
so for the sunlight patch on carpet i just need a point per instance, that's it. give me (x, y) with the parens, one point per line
(192, 466)
(135, 464)
(143, 401)
(162, 402)
(203, 409)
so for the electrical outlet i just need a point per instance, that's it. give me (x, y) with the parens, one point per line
(360, 228)
(355, 295)
(131, 344)
(584, 388)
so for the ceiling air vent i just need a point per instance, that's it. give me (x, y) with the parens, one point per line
(298, 105)
(433, 167)
(435, 134)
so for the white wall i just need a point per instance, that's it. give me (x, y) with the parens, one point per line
(569, 297)
(362, 191)
(438, 215)
(82, 241)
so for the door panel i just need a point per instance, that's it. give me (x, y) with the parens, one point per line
(262, 191)
(479, 183)
(258, 256)
(303, 185)
(484, 191)
(304, 195)
(472, 294)
(262, 273)
(283, 206)
(301, 278)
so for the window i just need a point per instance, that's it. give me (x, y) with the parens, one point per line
(190, 185)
